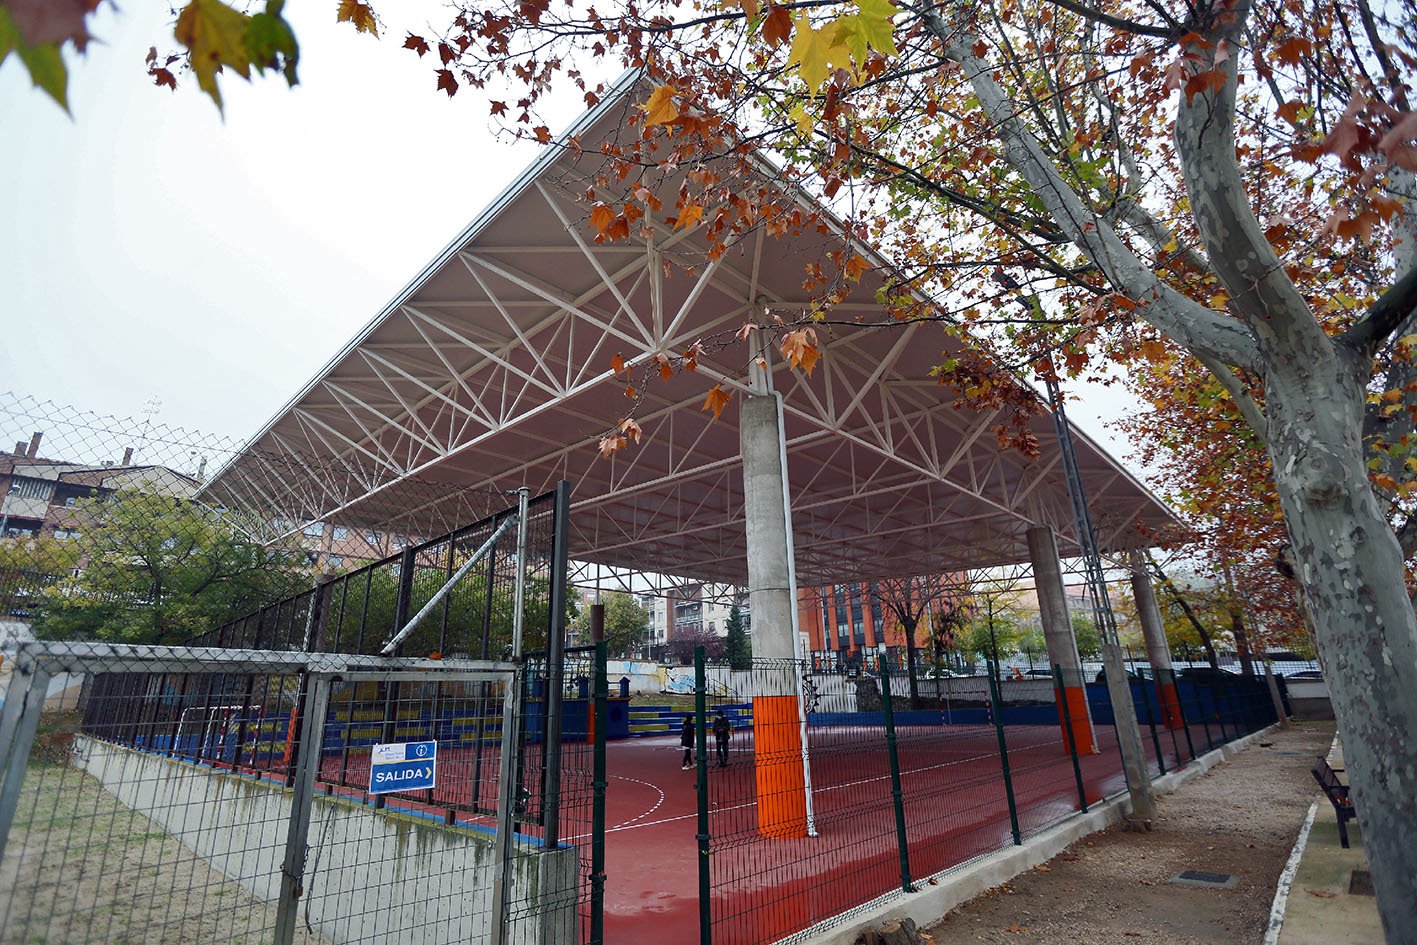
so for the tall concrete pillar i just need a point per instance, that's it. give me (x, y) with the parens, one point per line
(1153, 631)
(1058, 634)
(772, 599)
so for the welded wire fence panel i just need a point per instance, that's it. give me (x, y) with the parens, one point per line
(976, 763)
(134, 819)
(149, 799)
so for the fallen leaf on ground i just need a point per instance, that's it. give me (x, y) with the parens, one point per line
(1321, 893)
(1015, 927)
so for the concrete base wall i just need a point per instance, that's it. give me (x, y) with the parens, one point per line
(963, 883)
(373, 876)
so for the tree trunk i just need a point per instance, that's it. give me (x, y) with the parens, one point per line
(1351, 569)
(1237, 623)
(909, 626)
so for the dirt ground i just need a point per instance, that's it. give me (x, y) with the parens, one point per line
(1240, 818)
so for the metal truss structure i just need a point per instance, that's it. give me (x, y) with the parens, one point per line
(492, 370)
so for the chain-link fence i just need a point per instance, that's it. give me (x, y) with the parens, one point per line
(807, 815)
(133, 533)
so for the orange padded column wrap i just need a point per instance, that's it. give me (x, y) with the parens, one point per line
(1076, 697)
(1170, 705)
(777, 752)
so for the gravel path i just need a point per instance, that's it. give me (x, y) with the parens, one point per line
(1241, 818)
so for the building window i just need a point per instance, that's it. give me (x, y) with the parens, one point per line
(371, 537)
(312, 558)
(315, 529)
(843, 638)
(340, 533)
(398, 543)
(67, 533)
(335, 561)
(24, 488)
(858, 626)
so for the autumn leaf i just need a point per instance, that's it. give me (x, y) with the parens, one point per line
(743, 333)
(666, 370)
(417, 43)
(270, 42)
(601, 217)
(749, 7)
(1015, 927)
(215, 36)
(716, 400)
(447, 82)
(869, 29)
(815, 51)
(691, 357)
(661, 109)
(360, 14)
(690, 215)
(777, 26)
(799, 348)
(618, 364)
(631, 429)
(609, 444)
(44, 61)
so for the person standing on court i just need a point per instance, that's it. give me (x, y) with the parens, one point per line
(686, 738)
(722, 732)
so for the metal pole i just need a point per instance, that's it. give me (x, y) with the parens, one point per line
(292, 885)
(1124, 716)
(1072, 739)
(1003, 750)
(897, 795)
(17, 751)
(519, 605)
(555, 670)
(506, 800)
(701, 786)
(437, 598)
(598, 784)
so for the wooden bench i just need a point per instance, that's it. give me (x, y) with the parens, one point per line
(1337, 794)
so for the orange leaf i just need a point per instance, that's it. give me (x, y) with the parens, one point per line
(716, 400)
(777, 26)
(631, 429)
(360, 14)
(660, 109)
(609, 444)
(743, 333)
(601, 217)
(1289, 111)
(618, 363)
(690, 215)
(691, 357)
(666, 370)
(800, 349)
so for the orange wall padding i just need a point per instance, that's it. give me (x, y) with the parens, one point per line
(777, 752)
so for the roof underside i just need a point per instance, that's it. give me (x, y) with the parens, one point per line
(492, 371)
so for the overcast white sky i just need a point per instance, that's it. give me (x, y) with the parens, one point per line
(151, 249)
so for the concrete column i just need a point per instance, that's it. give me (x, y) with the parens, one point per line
(1058, 634)
(772, 599)
(1153, 631)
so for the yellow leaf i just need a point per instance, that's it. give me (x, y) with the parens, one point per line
(215, 35)
(716, 400)
(871, 29)
(660, 109)
(360, 14)
(803, 120)
(815, 51)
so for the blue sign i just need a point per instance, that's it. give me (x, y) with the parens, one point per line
(408, 766)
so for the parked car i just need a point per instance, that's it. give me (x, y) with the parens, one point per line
(1305, 674)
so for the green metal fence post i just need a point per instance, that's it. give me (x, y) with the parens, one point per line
(897, 795)
(701, 787)
(1151, 721)
(598, 784)
(993, 666)
(1072, 739)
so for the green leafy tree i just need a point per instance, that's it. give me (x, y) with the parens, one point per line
(158, 569)
(739, 647)
(626, 623)
(30, 565)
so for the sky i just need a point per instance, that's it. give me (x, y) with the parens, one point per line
(151, 247)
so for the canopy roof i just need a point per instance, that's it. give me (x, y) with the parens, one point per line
(492, 370)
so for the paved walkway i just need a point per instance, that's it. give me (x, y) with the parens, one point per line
(1326, 906)
(1240, 820)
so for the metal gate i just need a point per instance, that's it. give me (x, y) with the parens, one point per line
(210, 795)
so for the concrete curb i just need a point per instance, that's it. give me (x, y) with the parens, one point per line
(959, 884)
(1286, 879)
